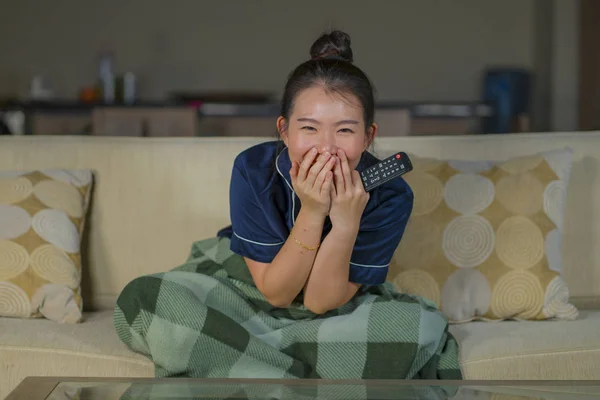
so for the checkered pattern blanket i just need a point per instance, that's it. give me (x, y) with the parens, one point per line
(205, 318)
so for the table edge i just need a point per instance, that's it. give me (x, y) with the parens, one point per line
(40, 387)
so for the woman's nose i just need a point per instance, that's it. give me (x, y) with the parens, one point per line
(328, 147)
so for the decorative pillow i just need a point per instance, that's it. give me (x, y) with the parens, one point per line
(42, 216)
(484, 238)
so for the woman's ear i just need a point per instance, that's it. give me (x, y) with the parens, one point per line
(370, 136)
(282, 128)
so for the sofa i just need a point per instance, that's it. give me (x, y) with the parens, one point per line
(153, 197)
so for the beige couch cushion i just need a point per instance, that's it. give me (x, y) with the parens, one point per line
(40, 347)
(531, 349)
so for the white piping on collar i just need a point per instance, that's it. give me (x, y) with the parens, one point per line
(289, 185)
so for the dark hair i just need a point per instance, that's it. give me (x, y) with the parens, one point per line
(331, 66)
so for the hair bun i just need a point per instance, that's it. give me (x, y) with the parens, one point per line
(335, 43)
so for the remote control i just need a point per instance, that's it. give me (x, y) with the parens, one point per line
(386, 170)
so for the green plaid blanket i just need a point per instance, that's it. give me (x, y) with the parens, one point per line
(205, 318)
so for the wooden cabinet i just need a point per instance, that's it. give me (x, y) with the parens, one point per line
(62, 123)
(181, 121)
(145, 121)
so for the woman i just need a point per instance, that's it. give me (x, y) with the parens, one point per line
(295, 287)
(279, 220)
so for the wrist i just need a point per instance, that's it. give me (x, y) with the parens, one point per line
(311, 217)
(346, 231)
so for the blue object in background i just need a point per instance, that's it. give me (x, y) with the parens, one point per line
(508, 91)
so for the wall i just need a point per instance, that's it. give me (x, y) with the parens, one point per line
(542, 50)
(412, 49)
(565, 66)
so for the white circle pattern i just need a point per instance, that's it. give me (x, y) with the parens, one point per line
(553, 250)
(14, 221)
(517, 294)
(521, 164)
(556, 301)
(14, 302)
(469, 193)
(468, 241)
(520, 193)
(554, 200)
(14, 190)
(78, 178)
(419, 283)
(466, 294)
(14, 259)
(560, 162)
(55, 227)
(428, 191)
(519, 243)
(61, 196)
(55, 266)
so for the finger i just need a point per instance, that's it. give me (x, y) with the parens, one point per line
(323, 172)
(327, 184)
(346, 171)
(294, 172)
(357, 182)
(333, 190)
(315, 170)
(339, 178)
(294, 169)
(307, 161)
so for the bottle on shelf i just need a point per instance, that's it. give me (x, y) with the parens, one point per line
(107, 78)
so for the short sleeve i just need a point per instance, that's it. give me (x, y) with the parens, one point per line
(379, 235)
(252, 236)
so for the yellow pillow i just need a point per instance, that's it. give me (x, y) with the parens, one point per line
(42, 216)
(483, 241)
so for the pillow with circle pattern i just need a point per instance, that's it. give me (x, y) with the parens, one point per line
(484, 238)
(42, 217)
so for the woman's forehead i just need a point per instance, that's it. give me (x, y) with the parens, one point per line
(317, 102)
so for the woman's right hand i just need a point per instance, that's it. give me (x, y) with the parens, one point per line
(312, 181)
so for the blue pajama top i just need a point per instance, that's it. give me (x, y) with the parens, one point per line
(264, 207)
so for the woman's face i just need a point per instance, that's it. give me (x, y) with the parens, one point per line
(329, 122)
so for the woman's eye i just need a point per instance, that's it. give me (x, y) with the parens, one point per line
(346, 130)
(308, 128)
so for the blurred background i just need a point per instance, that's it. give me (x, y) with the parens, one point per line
(217, 68)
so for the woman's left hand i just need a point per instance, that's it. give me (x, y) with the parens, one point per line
(348, 196)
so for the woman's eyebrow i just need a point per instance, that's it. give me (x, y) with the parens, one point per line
(304, 119)
(314, 121)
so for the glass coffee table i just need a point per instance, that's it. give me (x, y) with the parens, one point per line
(62, 388)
